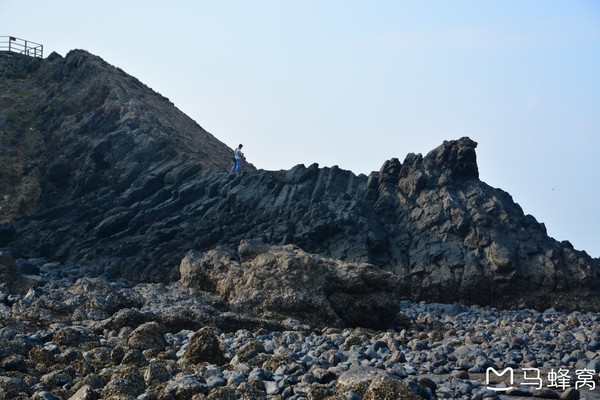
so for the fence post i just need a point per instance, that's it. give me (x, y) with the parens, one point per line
(21, 46)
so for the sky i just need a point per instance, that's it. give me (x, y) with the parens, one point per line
(355, 83)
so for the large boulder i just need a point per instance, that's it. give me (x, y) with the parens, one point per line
(11, 278)
(280, 282)
(204, 347)
(8, 269)
(372, 384)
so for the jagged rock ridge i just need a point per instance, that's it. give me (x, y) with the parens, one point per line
(128, 185)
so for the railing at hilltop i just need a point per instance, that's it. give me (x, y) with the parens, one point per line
(13, 44)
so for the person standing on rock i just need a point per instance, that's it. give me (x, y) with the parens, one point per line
(237, 160)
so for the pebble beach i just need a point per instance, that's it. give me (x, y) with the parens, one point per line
(57, 343)
(446, 354)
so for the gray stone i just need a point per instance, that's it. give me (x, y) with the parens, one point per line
(463, 351)
(44, 396)
(204, 346)
(372, 383)
(214, 382)
(147, 336)
(593, 365)
(570, 394)
(272, 388)
(234, 378)
(460, 374)
(186, 387)
(546, 394)
(84, 393)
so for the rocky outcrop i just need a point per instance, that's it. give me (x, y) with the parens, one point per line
(284, 282)
(78, 125)
(453, 236)
(128, 185)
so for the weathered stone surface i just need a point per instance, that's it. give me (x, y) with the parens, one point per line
(11, 279)
(8, 268)
(84, 393)
(148, 336)
(204, 347)
(282, 282)
(126, 382)
(186, 387)
(372, 383)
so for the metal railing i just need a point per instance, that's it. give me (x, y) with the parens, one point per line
(21, 46)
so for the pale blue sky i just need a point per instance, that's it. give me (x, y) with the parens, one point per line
(354, 83)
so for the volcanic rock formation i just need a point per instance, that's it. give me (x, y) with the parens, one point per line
(104, 175)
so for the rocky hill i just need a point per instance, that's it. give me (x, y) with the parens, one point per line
(76, 125)
(107, 177)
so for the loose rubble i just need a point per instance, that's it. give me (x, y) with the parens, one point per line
(89, 338)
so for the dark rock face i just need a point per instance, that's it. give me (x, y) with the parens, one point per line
(79, 126)
(126, 185)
